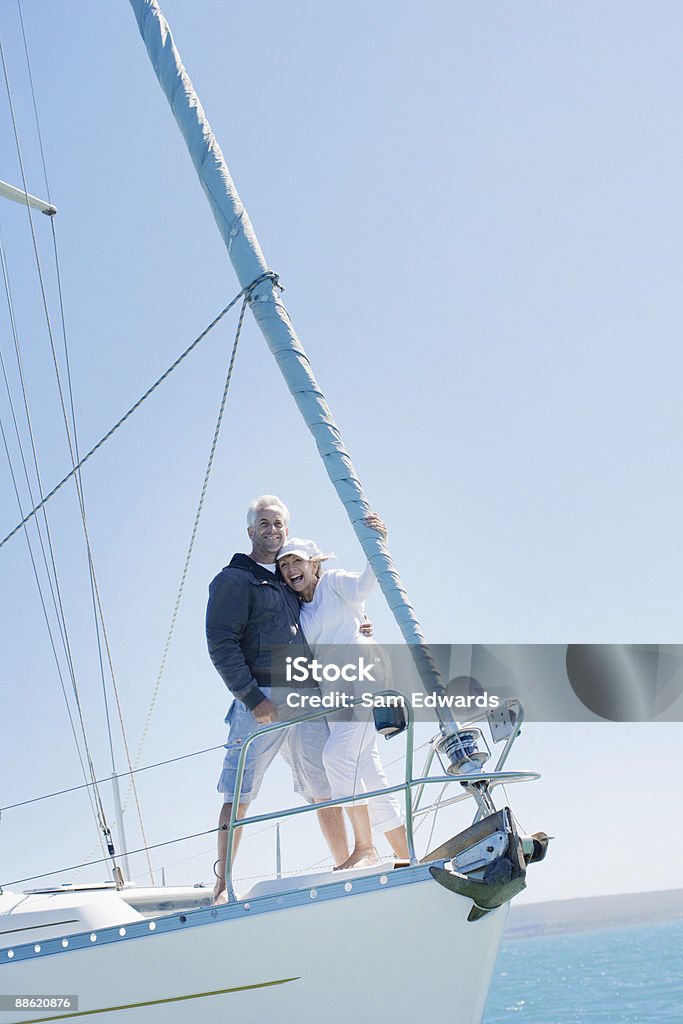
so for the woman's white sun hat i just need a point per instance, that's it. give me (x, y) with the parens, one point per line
(306, 549)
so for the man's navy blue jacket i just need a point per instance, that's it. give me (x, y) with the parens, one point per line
(250, 612)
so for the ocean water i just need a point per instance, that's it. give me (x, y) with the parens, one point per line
(628, 975)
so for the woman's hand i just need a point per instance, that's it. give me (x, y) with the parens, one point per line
(375, 523)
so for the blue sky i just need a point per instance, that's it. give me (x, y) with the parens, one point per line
(475, 212)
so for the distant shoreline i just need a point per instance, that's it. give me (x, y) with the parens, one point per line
(557, 917)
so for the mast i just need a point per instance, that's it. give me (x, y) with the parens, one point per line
(273, 320)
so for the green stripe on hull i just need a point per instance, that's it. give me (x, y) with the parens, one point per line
(156, 1002)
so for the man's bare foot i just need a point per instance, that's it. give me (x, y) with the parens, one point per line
(364, 857)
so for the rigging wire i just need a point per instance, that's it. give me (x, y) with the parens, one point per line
(195, 526)
(100, 625)
(50, 568)
(145, 768)
(71, 434)
(33, 99)
(95, 793)
(244, 293)
(8, 293)
(96, 604)
(70, 428)
(17, 353)
(54, 586)
(103, 860)
(34, 511)
(98, 611)
(434, 812)
(210, 849)
(52, 642)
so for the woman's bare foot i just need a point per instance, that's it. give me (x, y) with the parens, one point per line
(220, 897)
(363, 857)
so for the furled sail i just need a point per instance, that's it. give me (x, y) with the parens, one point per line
(273, 319)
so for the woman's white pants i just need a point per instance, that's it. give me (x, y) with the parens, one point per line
(353, 765)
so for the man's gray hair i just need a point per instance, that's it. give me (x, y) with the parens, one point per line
(264, 501)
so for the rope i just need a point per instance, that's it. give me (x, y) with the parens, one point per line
(195, 526)
(245, 291)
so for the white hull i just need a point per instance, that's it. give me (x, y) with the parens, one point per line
(384, 951)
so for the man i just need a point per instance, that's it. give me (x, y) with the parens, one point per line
(250, 611)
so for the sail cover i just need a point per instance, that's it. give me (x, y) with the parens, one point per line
(273, 319)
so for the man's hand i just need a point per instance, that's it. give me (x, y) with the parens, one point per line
(265, 713)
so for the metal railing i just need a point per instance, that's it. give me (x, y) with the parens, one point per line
(412, 809)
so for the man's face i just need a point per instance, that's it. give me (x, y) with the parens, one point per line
(269, 532)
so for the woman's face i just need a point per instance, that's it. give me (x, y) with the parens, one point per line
(299, 575)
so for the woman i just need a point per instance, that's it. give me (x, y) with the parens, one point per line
(332, 612)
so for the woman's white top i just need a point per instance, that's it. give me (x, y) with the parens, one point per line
(337, 610)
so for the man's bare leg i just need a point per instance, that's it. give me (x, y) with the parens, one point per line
(219, 894)
(399, 842)
(331, 821)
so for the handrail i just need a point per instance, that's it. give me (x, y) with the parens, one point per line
(520, 715)
(495, 777)
(310, 717)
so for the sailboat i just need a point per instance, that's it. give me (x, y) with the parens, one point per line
(321, 942)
